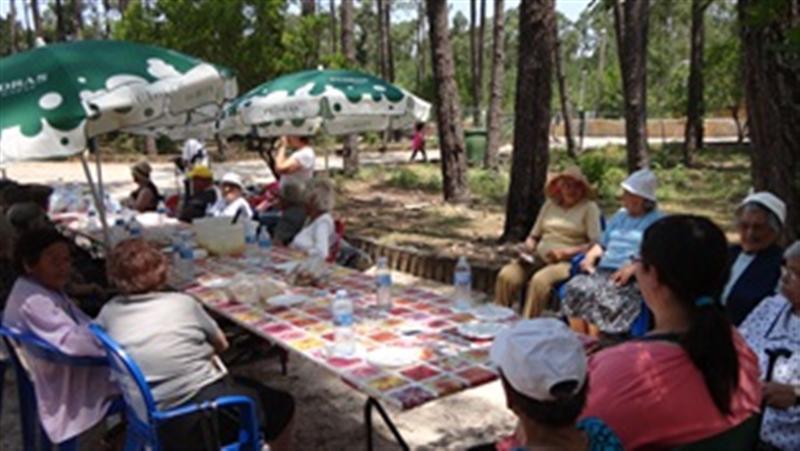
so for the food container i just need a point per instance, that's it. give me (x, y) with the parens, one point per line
(218, 236)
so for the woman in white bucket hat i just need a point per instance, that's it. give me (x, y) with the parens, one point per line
(606, 294)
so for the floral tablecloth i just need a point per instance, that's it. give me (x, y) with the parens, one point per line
(419, 319)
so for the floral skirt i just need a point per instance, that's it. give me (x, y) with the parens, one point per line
(595, 298)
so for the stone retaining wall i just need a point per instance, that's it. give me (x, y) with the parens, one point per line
(427, 265)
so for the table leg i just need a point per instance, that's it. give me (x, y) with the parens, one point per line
(372, 402)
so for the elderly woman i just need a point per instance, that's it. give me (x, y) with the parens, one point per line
(145, 197)
(568, 224)
(233, 200)
(293, 212)
(70, 399)
(772, 326)
(693, 376)
(755, 263)
(607, 295)
(319, 234)
(179, 357)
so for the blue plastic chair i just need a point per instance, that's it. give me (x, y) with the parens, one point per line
(40, 349)
(143, 416)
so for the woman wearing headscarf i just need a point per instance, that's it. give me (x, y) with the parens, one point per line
(755, 263)
(568, 224)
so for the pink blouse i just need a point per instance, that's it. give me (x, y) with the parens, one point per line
(653, 397)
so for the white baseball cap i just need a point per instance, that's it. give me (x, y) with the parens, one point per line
(642, 183)
(233, 178)
(769, 201)
(538, 354)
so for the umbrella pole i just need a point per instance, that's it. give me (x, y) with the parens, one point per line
(99, 205)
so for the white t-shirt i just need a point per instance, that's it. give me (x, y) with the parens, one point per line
(305, 157)
(225, 209)
(194, 153)
(316, 237)
(218, 205)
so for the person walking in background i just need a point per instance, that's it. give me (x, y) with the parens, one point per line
(418, 142)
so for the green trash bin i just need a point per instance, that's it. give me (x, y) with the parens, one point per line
(475, 140)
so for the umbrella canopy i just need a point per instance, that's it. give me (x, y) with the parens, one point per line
(54, 98)
(340, 101)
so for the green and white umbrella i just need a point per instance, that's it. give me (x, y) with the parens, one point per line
(340, 101)
(53, 99)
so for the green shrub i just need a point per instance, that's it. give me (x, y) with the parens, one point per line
(488, 186)
(408, 178)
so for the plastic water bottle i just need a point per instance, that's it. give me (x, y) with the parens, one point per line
(93, 222)
(161, 209)
(383, 281)
(118, 232)
(343, 339)
(186, 263)
(134, 228)
(250, 238)
(462, 281)
(265, 242)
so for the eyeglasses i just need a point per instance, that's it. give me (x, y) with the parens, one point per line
(789, 273)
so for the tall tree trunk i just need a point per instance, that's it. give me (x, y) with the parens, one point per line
(772, 87)
(12, 19)
(496, 87)
(31, 37)
(387, 25)
(421, 50)
(448, 106)
(61, 32)
(383, 59)
(77, 6)
(150, 146)
(532, 117)
(350, 149)
(334, 35)
(481, 42)
(738, 121)
(563, 96)
(37, 19)
(123, 6)
(631, 23)
(695, 108)
(473, 60)
(106, 22)
(308, 7)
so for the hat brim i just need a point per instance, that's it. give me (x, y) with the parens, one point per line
(636, 192)
(553, 191)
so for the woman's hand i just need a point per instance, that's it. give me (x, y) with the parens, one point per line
(529, 245)
(623, 275)
(779, 396)
(587, 265)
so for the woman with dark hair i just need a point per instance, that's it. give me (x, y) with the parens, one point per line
(693, 376)
(179, 357)
(70, 399)
(145, 197)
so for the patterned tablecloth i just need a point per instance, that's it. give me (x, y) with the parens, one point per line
(419, 319)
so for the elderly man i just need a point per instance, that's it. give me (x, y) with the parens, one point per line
(756, 261)
(204, 196)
